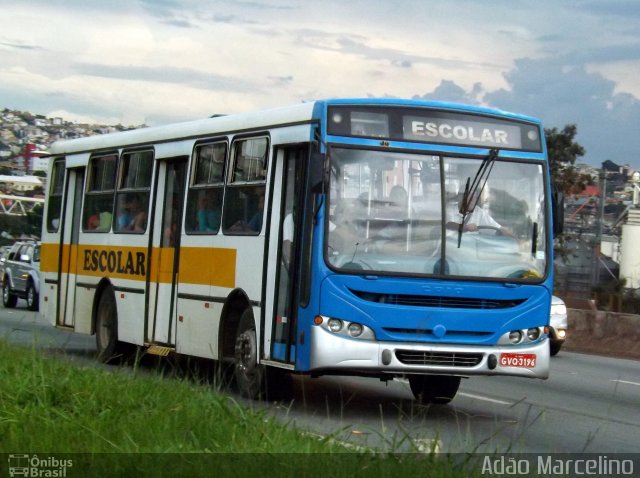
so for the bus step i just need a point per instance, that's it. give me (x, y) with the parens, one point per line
(160, 350)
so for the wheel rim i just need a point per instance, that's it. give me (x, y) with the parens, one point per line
(246, 354)
(105, 326)
(30, 297)
(5, 293)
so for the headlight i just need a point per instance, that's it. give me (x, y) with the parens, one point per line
(335, 325)
(533, 333)
(344, 328)
(355, 329)
(515, 336)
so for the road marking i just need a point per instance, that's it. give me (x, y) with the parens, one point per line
(486, 399)
(628, 383)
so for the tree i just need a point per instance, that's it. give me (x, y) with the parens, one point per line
(563, 152)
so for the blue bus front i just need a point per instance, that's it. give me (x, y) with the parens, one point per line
(432, 246)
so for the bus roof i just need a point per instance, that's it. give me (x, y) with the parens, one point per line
(263, 119)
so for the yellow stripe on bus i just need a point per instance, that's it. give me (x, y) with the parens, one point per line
(214, 266)
(198, 265)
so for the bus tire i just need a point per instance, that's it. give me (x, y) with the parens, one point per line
(249, 375)
(9, 300)
(32, 297)
(439, 389)
(107, 326)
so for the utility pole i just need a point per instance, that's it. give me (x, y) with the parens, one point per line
(599, 227)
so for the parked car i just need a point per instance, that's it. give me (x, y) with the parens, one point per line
(558, 325)
(21, 274)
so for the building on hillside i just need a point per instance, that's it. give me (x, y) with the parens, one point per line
(19, 184)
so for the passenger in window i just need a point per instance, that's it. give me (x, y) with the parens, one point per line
(125, 217)
(93, 222)
(208, 215)
(255, 223)
(134, 218)
(105, 221)
(139, 215)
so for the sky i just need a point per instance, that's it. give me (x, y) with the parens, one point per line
(162, 61)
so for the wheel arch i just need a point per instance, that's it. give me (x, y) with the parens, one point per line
(103, 285)
(6, 276)
(35, 279)
(237, 302)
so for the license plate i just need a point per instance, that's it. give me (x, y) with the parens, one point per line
(518, 360)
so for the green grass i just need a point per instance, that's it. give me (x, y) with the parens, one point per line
(122, 423)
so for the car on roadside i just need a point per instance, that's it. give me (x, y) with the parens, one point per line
(558, 325)
(21, 274)
(4, 253)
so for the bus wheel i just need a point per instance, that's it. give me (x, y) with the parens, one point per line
(438, 389)
(107, 326)
(248, 373)
(32, 297)
(9, 300)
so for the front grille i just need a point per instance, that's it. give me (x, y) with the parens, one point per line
(439, 359)
(438, 301)
(460, 333)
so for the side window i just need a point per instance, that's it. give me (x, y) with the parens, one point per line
(134, 187)
(28, 251)
(244, 196)
(54, 209)
(98, 200)
(204, 201)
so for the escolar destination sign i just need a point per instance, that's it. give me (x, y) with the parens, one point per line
(456, 131)
(434, 126)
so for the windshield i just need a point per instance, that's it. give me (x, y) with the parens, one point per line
(400, 213)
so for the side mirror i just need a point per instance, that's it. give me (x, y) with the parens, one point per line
(557, 209)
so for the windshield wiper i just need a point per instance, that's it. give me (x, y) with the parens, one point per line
(473, 190)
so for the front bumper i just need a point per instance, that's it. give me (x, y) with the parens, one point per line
(334, 353)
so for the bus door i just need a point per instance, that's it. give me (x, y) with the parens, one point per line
(161, 328)
(281, 305)
(69, 247)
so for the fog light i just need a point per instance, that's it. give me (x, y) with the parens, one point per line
(533, 333)
(515, 336)
(335, 325)
(355, 330)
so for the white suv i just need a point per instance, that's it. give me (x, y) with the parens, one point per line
(21, 274)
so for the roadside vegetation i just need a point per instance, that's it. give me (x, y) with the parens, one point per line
(116, 422)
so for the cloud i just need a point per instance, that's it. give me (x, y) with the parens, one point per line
(561, 94)
(447, 90)
(19, 46)
(165, 74)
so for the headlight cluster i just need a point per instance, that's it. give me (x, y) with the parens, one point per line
(523, 336)
(342, 327)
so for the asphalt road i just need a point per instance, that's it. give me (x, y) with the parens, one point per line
(589, 404)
